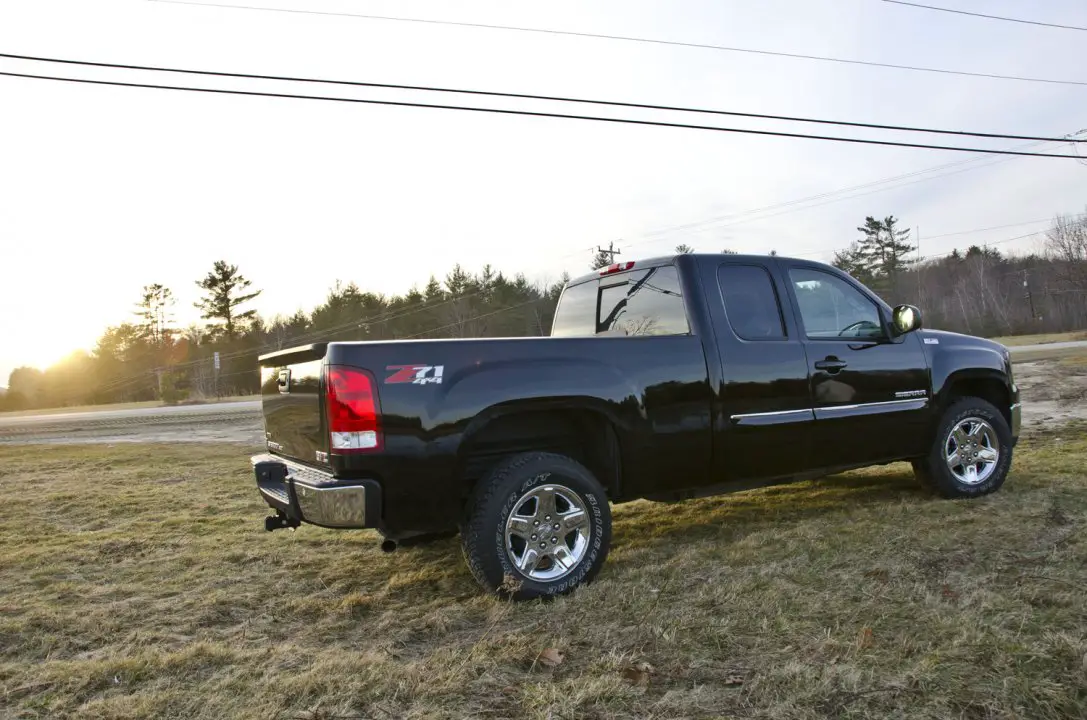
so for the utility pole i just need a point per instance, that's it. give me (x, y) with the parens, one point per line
(1030, 298)
(917, 269)
(612, 251)
(216, 362)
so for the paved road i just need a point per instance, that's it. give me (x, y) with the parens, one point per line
(1048, 346)
(249, 407)
(216, 422)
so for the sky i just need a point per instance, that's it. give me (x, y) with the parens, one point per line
(104, 190)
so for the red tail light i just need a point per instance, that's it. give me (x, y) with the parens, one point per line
(354, 415)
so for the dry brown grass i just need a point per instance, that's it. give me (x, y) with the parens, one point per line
(137, 583)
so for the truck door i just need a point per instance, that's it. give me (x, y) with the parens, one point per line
(870, 389)
(764, 419)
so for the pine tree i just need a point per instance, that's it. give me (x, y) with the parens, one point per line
(896, 248)
(225, 288)
(880, 257)
(852, 260)
(155, 314)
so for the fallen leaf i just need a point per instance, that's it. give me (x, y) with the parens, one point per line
(733, 680)
(949, 593)
(551, 657)
(636, 676)
(865, 639)
(878, 574)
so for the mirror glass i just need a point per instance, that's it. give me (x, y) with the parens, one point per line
(906, 318)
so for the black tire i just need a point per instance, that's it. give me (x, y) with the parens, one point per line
(500, 493)
(933, 470)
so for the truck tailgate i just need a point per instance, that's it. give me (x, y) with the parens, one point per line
(291, 397)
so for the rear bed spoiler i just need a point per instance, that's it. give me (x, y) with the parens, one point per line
(303, 353)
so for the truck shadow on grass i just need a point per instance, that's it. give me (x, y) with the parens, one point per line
(731, 516)
(435, 567)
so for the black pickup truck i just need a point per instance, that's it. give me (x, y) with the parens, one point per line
(664, 379)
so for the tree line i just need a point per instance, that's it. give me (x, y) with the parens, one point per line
(150, 358)
(976, 290)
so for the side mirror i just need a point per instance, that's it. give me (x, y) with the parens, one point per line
(905, 319)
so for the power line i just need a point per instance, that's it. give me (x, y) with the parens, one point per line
(702, 224)
(983, 245)
(528, 96)
(628, 38)
(531, 113)
(829, 201)
(998, 227)
(983, 15)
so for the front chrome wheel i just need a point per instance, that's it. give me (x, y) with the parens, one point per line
(548, 532)
(972, 451)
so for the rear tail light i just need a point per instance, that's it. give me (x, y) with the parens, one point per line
(617, 267)
(354, 415)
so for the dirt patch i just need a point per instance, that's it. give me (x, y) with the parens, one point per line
(1053, 392)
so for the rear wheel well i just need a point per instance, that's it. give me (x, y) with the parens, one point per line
(586, 436)
(989, 389)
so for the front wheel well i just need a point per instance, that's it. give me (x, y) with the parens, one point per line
(989, 389)
(583, 435)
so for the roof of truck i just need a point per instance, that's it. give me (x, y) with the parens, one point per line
(669, 259)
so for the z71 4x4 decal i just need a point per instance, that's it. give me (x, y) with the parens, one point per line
(415, 374)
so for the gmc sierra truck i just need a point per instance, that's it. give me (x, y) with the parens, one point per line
(663, 379)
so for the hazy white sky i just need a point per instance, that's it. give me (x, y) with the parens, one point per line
(104, 190)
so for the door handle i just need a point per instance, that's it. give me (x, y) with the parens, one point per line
(832, 365)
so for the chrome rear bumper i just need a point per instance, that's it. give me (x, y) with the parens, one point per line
(313, 496)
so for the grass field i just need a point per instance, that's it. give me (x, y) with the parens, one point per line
(137, 583)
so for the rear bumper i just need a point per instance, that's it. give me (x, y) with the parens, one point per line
(312, 496)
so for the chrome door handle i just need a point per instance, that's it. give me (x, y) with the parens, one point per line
(832, 365)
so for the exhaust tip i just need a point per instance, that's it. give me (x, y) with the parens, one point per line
(388, 546)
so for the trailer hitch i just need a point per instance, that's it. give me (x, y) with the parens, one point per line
(279, 521)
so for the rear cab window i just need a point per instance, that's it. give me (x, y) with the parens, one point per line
(638, 303)
(751, 302)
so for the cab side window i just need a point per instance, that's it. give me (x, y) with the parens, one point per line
(751, 303)
(831, 308)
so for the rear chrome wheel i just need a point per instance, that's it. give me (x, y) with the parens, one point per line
(548, 532)
(538, 525)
